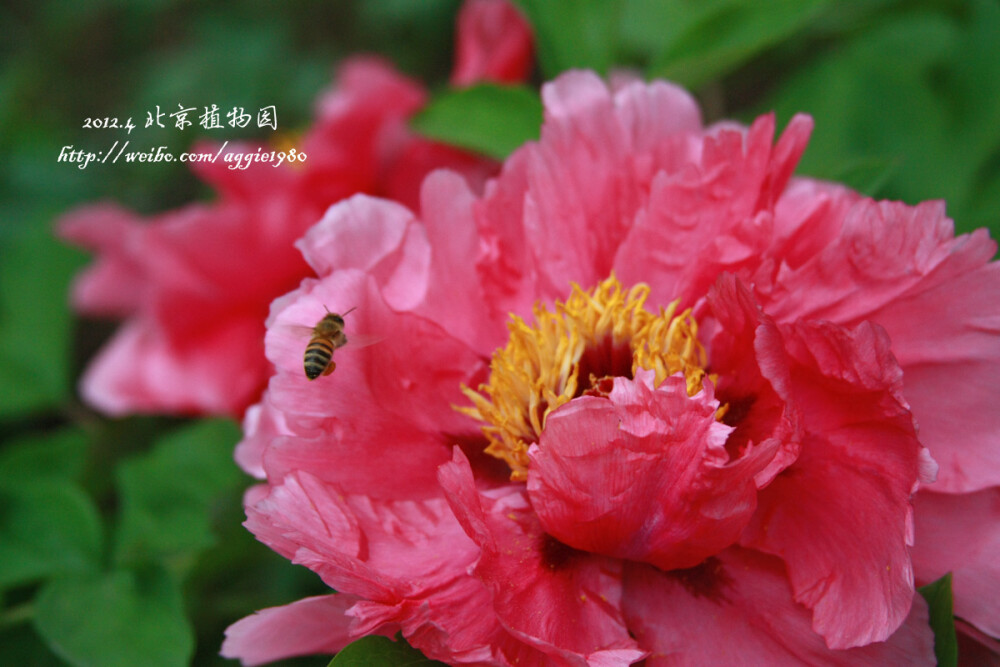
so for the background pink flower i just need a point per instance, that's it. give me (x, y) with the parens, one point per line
(707, 416)
(494, 44)
(193, 285)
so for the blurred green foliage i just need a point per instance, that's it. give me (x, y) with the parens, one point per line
(106, 521)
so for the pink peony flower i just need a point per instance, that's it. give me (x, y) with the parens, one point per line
(695, 440)
(193, 285)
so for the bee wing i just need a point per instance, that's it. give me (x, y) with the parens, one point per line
(363, 340)
(298, 330)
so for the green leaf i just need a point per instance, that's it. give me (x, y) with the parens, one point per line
(46, 528)
(58, 455)
(918, 88)
(34, 318)
(167, 494)
(376, 651)
(939, 600)
(491, 119)
(119, 619)
(711, 39)
(574, 33)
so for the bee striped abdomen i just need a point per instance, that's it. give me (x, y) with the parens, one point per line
(327, 336)
(318, 358)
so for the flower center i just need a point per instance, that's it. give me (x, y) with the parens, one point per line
(596, 335)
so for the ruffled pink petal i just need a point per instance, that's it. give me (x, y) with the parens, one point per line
(737, 608)
(807, 218)
(884, 251)
(961, 534)
(643, 475)
(655, 116)
(141, 371)
(561, 601)
(903, 268)
(115, 284)
(493, 44)
(408, 561)
(728, 229)
(455, 297)
(262, 425)
(583, 174)
(308, 626)
(376, 236)
(754, 376)
(456, 625)
(947, 340)
(579, 177)
(380, 551)
(840, 516)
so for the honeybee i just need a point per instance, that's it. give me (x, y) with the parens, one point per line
(327, 336)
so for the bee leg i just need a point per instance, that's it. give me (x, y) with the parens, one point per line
(329, 369)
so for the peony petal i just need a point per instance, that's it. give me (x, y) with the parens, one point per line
(840, 515)
(643, 475)
(807, 218)
(140, 371)
(883, 251)
(785, 158)
(654, 115)
(376, 236)
(961, 534)
(726, 231)
(561, 601)
(903, 268)
(947, 340)
(383, 551)
(581, 175)
(116, 283)
(409, 561)
(262, 424)
(493, 43)
(754, 374)
(455, 297)
(196, 286)
(307, 626)
(737, 609)
(451, 626)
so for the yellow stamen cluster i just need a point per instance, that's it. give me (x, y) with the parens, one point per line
(540, 367)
